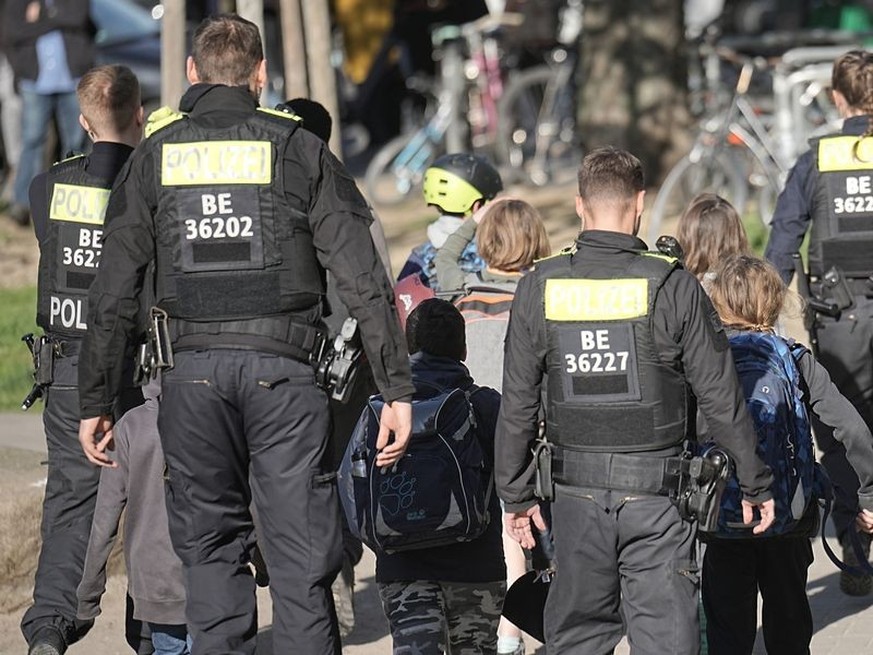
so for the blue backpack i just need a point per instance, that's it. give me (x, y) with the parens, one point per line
(769, 375)
(437, 494)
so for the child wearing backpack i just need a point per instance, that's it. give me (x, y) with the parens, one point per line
(510, 237)
(782, 381)
(446, 598)
(456, 184)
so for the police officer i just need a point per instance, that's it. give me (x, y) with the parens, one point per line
(624, 337)
(241, 212)
(831, 188)
(68, 204)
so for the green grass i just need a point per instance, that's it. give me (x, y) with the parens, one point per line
(17, 317)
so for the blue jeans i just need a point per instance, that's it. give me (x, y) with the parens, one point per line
(170, 639)
(36, 114)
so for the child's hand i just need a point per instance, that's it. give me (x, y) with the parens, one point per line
(480, 213)
(518, 525)
(864, 521)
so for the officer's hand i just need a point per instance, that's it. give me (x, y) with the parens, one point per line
(864, 521)
(397, 421)
(518, 525)
(767, 510)
(95, 435)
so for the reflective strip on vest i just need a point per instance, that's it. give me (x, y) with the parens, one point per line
(207, 163)
(596, 300)
(836, 154)
(78, 204)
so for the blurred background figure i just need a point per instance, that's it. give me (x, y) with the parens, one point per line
(50, 45)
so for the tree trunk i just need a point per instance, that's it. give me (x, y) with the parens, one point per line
(173, 79)
(633, 73)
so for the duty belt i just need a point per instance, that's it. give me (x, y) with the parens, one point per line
(280, 335)
(618, 471)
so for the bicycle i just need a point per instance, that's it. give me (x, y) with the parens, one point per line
(466, 109)
(744, 151)
(537, 128)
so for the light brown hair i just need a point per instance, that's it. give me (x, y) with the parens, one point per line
(109, 98)
(227, 50)
(852, 76)
(748, 293)
(612, 176)
(709, 230)
(512, 236)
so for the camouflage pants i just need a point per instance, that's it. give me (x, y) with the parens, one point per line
(431, 618)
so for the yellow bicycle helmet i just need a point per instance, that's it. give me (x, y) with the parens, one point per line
(454, 182)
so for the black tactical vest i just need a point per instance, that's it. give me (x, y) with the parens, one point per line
(842, 208)
(229, 246)
(608, 390)
(70, 250)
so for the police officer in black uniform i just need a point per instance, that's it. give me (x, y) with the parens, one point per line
(625, 338)
(831, 188)
(68, 204)
(241, 212)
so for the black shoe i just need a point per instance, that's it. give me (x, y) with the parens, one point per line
(48, 640)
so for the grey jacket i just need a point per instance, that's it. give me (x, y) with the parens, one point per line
(154, 572)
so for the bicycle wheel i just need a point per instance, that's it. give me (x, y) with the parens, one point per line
(397, 170)
(536, 131)
(717, 173)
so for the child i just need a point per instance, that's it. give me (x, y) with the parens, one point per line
(749, 294)
(510, 237)
(446, 599)
(457, 185)
(709, 230)
(154, 572)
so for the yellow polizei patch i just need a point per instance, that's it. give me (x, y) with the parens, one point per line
(78, 204)
(596, 300)
(835, 154)
(216, 162)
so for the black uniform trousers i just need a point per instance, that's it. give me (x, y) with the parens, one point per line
(224, 414)
(621, 554)
(68, 507)
(845, 349)
(67, 510)
(734, 570)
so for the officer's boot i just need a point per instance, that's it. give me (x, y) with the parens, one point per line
(48, 640)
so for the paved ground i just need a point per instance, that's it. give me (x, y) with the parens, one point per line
(843, 625)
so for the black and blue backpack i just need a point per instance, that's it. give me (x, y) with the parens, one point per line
(437, 494)
(769, 375)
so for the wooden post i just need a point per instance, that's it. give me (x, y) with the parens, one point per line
(293, 50)
(173, 55)
(253, 10)
(322, 83)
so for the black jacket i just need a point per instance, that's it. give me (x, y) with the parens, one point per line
(71, 17)
(480, 560)
(689, 336)
(314, 181)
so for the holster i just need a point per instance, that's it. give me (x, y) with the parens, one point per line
(702, 479)
(544, 484)
(156, 353)
(337, 369)
(42, 352)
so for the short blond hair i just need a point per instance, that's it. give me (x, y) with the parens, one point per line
(511, 236)
(109, 98)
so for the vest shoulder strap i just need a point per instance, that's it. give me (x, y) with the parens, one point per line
(161, 118)
(68, 164)
(555, 263)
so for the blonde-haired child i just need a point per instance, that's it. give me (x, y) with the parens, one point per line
(748, 294)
